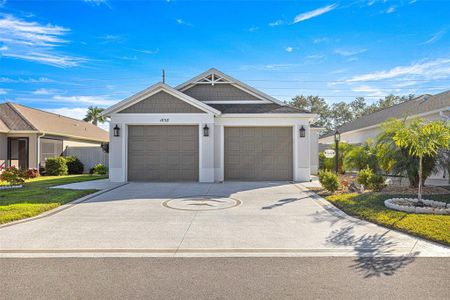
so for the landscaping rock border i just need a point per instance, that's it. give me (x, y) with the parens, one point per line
(9, 187)
(431, 206)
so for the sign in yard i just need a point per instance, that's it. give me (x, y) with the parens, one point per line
(329, 153)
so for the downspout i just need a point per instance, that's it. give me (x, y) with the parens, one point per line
(38, 144)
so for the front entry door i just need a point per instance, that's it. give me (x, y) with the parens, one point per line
(18, 152)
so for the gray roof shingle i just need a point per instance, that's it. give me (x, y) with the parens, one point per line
(266, 108)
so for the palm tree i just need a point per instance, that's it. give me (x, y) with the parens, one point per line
(423, 139)
(94, 116)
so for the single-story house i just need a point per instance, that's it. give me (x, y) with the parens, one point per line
(209, 129)
(427, 107)
(29, 136)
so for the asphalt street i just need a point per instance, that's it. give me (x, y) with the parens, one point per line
(225, 278)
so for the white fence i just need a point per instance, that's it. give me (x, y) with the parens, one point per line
(89, 156)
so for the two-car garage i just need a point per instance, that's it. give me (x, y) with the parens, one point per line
(171, 153)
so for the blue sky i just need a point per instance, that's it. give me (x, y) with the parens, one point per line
(63, 56)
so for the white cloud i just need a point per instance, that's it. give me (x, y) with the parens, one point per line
(91, 100)
(253, 28)
(276, 23)
(98, 2)
(44, 91)
(391, 10)
(437, 36)
(289, 49)
(151, 52)
(314, 13)
(183, 22)
(111, 38)
(320, 40)
(3, 92)
(426, 70)
(25, 80)
(76, 113)
(34, 42)
(271, 67)
(349, 52)
(368, 90)
(49, 59)
(314, 57)
(16, 31)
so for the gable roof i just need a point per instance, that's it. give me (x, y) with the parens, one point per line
(17, 117)
(233, 81)
(153, 90)
(417, 106)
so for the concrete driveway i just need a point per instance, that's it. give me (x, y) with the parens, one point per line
(194, 219)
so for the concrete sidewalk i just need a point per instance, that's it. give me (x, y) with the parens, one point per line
(251, 219)
(100, 184)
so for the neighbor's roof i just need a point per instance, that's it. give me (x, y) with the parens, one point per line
(422, 104)
(17, 117)
(3, 127)
(271, 108)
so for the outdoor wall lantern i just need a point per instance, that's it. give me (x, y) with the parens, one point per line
(337, 138)
(302, 132)
(116, 130)
(206, 130)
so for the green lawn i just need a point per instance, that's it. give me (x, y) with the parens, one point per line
(35, 197)
(371, 207)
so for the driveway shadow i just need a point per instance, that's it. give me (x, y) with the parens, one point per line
(375, 256)
(283, 202)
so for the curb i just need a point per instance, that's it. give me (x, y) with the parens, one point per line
(62, 207)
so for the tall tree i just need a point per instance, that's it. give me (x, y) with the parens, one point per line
(94, 116)
(316, 105)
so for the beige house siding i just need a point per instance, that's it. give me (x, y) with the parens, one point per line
(79, 143)
(162, 102)
(3, 148)
(218, 92)
(32, 147)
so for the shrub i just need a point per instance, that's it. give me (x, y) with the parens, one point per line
(74, 165)
(12, 175)
(363, 176)
(100, 169)
(56, 166)
(375, 182)
(31, 173)
(329, 181)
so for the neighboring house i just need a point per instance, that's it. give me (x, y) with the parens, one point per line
(428, 107)
(209, 129)
(29, 136)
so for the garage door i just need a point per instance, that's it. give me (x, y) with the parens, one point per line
(163, 153)
(258, 153)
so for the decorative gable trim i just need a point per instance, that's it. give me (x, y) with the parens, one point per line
(153, 90)
(214, 76)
